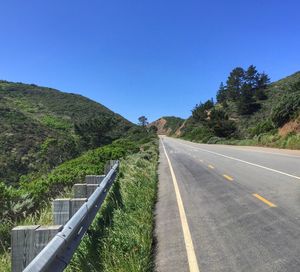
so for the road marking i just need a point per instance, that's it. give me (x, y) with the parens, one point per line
(211, 167)
(201, 160)
(228, 177)
(264, 200)
(266, 152)
(250, 148)
(192, 260)
(250, 163)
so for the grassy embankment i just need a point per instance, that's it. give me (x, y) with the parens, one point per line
(121, 237)
(73, 171)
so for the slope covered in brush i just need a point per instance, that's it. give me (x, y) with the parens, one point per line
(42, 127)
(249, 108)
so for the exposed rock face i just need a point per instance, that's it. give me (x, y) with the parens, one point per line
(178, 132)
(292, 126)
(160, 125)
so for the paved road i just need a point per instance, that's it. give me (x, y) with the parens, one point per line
(227, 208)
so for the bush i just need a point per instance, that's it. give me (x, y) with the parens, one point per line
(286, 109)
(199, 134)
(121, 236)
(214, 140)
(261, 127)
(33, 195)
(220, 123)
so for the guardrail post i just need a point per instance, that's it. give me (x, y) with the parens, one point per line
(61, 211)
(109, 165)
(90, 189)
(94, 179)
(22, 247)
(59, 251)
(80, 190)
(43, 235)
(27, 242)
(75, 204)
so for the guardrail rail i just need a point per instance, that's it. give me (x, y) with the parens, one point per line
(51, 248)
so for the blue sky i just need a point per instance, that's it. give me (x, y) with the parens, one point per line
(142, 57)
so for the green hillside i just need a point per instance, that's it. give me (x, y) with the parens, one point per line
(249, 111)
(42, 127)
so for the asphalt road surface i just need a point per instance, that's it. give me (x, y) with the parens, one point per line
(227, 208)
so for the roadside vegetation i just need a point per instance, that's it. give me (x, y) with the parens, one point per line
(41, 128)
(249, 110)
(29, 202)
(121, 237)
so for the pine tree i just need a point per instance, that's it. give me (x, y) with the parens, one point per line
(221, 94)
(143, 121)
(234, 83)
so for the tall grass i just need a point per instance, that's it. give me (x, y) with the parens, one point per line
(44, 217)
(121, 237)
(290, 141)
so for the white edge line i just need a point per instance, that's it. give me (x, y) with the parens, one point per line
(192, 260)
(250, 163)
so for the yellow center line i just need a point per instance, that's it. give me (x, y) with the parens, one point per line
(264, 200)
(211, 166)
(228, 177)
(192, 260)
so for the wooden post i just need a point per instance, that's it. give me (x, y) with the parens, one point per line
(22, 247)
(75, 205)
(61, 211)
(80, 190)
(27, 242)
(94, 179)
(90, 189)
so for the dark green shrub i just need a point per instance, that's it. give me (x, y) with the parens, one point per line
(199, 134)
(220, 124)
(261, 127)
(286, 109)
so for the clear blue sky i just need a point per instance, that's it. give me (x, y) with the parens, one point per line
(146, 57)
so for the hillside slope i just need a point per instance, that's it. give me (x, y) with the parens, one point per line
(167, 125)
(42, 127)
(275, 121)
(275, 92)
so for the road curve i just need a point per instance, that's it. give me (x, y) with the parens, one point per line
(227, 208)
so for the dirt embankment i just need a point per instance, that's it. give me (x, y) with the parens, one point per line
(160, 125)
(178, 132)
(292, 126)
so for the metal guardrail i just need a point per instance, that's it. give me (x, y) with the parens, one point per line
(56, 256)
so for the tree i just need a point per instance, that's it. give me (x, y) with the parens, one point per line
(234, 83)
(220, 123)
(221, 94)
(200, 112)
(251, 77)
(143, 121)
(262, 82)
(246, 103)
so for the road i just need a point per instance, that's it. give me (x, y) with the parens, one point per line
(227, 208)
